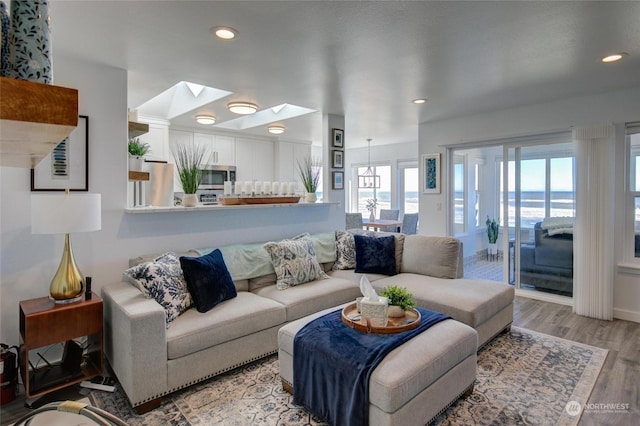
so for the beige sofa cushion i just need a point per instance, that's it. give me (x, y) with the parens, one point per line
(305, 299)
(243, 315)
(433, 256)
(469, 301)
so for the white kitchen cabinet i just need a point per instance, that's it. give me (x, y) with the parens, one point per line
(220, 149)
(254, 160)
(289, 154)
(157, 137)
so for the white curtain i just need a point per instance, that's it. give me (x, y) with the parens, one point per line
(594, 227)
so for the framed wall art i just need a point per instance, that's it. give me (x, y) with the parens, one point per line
(338, 180)
(338, 138)
(431, 173)
(67, 166)
(337, 159)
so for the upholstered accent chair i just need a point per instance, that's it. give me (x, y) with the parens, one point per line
(410, 223)
(389, 214)
(353, 221)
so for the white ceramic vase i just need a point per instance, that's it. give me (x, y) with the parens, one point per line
(136, 164)
(395, 311)
(190, 200)
(310, 197)
(372, 217)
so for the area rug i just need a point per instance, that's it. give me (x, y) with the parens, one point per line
(523, 377)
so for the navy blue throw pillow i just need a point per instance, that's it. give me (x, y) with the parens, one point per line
(208, 280)
(375, 255)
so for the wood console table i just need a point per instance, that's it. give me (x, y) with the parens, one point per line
(43, 323)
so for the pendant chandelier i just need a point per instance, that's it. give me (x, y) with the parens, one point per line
(368, 179)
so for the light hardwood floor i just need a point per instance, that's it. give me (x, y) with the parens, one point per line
(619, 380)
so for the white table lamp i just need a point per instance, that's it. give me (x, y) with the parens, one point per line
(64, 214)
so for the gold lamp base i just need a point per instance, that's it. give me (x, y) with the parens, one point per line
(67, 285)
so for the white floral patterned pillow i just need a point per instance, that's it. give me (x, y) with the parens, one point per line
(162, 280)
(345, 251)
(294, 261)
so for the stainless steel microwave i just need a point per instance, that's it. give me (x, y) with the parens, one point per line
(214, 177)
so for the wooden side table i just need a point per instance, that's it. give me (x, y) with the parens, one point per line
(44, 323)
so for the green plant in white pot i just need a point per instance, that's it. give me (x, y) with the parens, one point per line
(190, 159)
(137, 150)
(309, 172)
(400, 299)
(493, 230)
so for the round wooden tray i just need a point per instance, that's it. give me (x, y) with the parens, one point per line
(351, 318)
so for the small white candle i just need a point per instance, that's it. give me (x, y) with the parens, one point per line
(275, 187)
(266, 187)
(258, 188)
(248, 187)
(227, 187)
(292, 188)
(284, 188)
(238, 189)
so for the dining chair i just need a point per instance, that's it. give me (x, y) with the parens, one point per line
(389, 214)
(353, 221)
(410, 223)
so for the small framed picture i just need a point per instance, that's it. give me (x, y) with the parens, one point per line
(431, 173)
(337, 159)
(338, 138)
(338, 180)
(67, 166)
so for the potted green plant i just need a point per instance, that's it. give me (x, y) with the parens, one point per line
(309, 172)
(137, 150)
(189, 160)
(400, 299)
(493, 230)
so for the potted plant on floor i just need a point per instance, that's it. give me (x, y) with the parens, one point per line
(493, 229)
(190, 159)
(137, 151)
(309, 172)
(399, 300)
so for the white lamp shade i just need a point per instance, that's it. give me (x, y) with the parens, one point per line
(65, 213)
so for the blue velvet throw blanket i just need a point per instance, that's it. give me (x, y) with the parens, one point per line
(332, 364)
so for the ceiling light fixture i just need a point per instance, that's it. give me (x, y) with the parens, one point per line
(369, 179)
(242, 108)
(225, 33)
(615, 57)
(276, 130)
(419, 101)
(205, 119)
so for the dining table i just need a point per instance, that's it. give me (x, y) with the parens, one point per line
(382, 224)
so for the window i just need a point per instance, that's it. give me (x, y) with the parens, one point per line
(459, 199)
(382, 194)
(633, 185)
(409, 186)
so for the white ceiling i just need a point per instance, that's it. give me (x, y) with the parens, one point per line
(364, 60)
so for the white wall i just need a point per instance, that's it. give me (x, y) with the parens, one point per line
(605, 108)
(28, 262)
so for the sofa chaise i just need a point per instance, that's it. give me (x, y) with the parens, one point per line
(152, 359)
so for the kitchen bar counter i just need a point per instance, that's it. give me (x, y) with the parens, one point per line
(220, 207)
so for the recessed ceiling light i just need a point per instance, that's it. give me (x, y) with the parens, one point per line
(225, 33)
(242, 108)
(615, 57)
(276, 130)
(205, 119)
(419, 101)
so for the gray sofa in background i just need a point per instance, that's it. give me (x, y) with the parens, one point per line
(151, 360)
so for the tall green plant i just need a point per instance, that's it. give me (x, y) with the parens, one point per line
(493, 229)
(309, 172)
(190, 160)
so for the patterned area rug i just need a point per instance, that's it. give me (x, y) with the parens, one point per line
(523, 377)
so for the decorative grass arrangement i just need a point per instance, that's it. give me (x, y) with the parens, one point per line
(309, 172)
(190, 159)
(137, 148)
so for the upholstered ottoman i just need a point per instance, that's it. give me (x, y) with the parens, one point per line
(414, 382)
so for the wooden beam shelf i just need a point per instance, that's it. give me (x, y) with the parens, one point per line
(137, 129)
(34, 118)
(137, 176)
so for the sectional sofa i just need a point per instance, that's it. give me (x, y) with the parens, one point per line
(152, 358)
